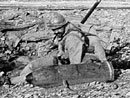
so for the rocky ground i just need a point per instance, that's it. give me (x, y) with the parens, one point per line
(117, 89)
(107, 22)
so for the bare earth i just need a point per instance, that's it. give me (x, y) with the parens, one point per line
(104, 21)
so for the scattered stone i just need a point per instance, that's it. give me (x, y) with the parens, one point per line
(1, 73)
(114, 86)
(127, 95)
(28, 95)
(104, 21)
(76, 96)
(35, 96)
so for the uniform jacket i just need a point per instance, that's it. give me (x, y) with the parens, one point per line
(74, 45)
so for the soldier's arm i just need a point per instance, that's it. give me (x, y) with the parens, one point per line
(74, 47)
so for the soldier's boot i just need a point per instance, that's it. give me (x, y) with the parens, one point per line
(18, 79)
(22, 78)
(27, 70)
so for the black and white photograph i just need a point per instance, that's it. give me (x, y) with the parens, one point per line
(64, 48)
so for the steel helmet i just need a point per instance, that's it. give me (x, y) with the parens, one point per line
(56, 21)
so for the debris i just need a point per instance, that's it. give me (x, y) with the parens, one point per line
(23, 45)
(1, 74)
(127, 95)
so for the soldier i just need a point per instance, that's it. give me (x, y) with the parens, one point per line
(73, 46)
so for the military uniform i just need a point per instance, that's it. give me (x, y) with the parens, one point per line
(73, 46)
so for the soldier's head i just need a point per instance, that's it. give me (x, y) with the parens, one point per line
(57, 23)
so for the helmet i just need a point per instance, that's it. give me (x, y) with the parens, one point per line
(56, 21)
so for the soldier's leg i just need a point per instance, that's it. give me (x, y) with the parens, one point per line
(30, 68)
(33, 65)
(27, 69)
(18, 79)
(39, 62)
(23, 74)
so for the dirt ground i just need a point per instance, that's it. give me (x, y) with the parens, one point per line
(105, 21)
